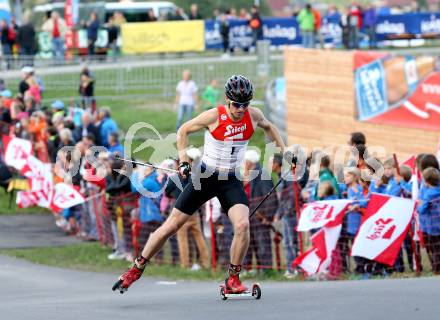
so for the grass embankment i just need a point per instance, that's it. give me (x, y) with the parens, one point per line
(93, 257)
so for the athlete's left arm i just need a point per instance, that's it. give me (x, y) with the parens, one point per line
(269, 128)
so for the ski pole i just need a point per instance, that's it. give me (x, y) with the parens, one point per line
(146, 164)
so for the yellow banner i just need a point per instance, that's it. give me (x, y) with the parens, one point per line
(172, 36)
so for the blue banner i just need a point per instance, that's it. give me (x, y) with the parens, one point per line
(280, 31)
(409, 25)
(331, 30)
(285, 31)
(371, 91)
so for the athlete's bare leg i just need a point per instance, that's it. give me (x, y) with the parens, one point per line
(155, 242)
(158, 238)
(239, 216)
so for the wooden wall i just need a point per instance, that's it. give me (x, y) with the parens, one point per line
(320, 102)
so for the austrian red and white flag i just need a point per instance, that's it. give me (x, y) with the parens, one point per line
(65, 196)
(318, 258)
(322, 213)
(26, 199)
(17, 151)
(383, 229)
(39, 174)
(410, 162)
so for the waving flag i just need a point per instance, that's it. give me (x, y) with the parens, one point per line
(410, 162)
(26, 199)
(384, 228)
(318, 258)
(65, 196)
(322, 213)
(17, 151)
(39, 174)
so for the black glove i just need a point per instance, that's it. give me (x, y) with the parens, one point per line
(290, 157)
(184, 169)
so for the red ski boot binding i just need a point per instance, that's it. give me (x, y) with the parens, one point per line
(133, 274)
(234, 288)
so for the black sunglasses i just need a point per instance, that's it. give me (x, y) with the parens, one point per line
(240, 105)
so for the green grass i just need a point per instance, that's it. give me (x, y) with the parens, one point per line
(13, 209)
(93, 257)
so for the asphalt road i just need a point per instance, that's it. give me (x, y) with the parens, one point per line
(39, 292)
(31, 230)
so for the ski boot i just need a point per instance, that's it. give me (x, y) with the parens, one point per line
(233, 287)
(133, 274)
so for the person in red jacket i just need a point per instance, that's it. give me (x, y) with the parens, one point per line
(317, 27)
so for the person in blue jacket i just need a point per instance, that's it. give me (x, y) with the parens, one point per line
(147, 184)
(429, 215)
(106, 125)
(353, 218)
(390, 182)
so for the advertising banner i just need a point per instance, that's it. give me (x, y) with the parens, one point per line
(280, 31)
(174, 36)
(408, 25)
(398, 90)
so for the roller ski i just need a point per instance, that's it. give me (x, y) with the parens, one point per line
(133, 274)
(234, 288)
(226, 291)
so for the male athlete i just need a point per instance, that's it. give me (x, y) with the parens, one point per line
(228, 130)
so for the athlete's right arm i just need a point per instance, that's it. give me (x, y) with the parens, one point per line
(202, 121)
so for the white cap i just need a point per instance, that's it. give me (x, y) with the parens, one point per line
(194, 153)
(27, 70)
(252, 156)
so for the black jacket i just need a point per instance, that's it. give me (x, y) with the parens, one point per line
(91, 128)
(259, 188)
(117, 184)
(26, 36)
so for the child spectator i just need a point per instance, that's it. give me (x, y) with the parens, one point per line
(389, 183)
(326, 175)
(427, 161)
(405, 183)
(354, 214)
(211, 95)
(429, 215)
(326, 191)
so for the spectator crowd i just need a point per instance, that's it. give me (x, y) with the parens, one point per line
(21, 40)
(117, 212)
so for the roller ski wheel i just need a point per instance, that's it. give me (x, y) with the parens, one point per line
(223, 294)
(118, 286)
(254, 293)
